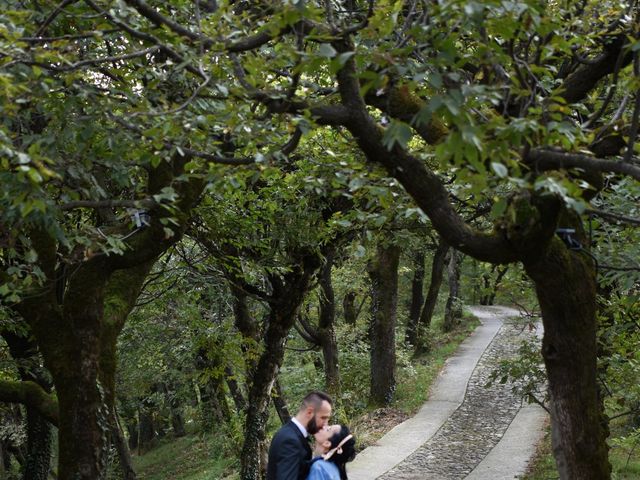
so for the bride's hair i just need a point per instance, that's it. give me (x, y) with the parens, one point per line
(346, 450)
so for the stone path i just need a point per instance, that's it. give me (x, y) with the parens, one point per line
(465, 430)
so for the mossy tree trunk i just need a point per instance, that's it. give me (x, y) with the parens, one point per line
(453, 307)
(566, 287)
(280, 403)
(326, 333)
(214, 408)
(417, 298)
(383, 271)
(431, 299)
(288, 292)
(122, 448)
(39, 431)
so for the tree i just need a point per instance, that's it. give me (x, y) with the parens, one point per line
(453, 307)
(383, 271)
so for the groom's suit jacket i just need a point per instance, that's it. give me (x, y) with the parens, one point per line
(289, 454)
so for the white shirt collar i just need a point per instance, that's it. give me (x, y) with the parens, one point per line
(303, 430)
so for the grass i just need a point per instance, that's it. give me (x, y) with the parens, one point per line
(543, 465)
(194, 457)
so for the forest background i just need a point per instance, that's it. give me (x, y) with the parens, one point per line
(183, 184)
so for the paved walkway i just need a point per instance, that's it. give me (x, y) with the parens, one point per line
(465, 430)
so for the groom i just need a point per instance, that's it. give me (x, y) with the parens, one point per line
(290, 453)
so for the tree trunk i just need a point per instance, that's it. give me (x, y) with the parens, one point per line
(349, 308)
(134, 433)
(3, 461)
(39, 436)
(73, 358)
(124, 454)
(251, 465)
(431, 300)
(146, 427)
(566, 289)
(417, 298)
(453, 307)
(82, 436)
(280, 403)
(234, 389)
(177, 418)
(490, 289)
(214, 408)
(39, 431)
(326, 329)
(383, 272)
(288, 294)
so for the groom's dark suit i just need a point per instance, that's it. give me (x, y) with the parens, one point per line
(289, 454)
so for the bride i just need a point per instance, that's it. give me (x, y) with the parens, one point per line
(334, 447)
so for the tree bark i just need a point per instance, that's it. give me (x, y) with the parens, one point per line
(39, 430)
(490, 288)
(349, 308)
(383, 271)
(252, 466)
(146, 427)
(280, 403)
(288, 294)
(234, 389)
(214, 408)
(431, 300)
(120, 443)
(175, 411)
(453, 307)
(566, 288)
(417, 298)
(326, 333)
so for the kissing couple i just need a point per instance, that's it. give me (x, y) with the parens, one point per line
(290, 454)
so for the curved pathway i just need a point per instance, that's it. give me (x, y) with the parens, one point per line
(465, 430)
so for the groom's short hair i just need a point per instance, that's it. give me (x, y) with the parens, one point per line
(315, 399)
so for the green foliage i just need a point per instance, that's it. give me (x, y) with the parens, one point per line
(525, 373)
(189, 458)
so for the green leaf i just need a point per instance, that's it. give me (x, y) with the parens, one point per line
(326, 50)
(500, 169)
(397, 133)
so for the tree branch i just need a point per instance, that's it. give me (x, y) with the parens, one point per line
(144, 203)
(306, 330)
(79, 36)
(52, 16)
(544, 159)
(96, 61)
(249, 43)
(578, 85)
(179, 59)
(186, 150)
(614, 216)
(428, 190)
(32, 395)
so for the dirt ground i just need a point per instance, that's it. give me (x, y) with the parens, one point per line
(372, 426)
